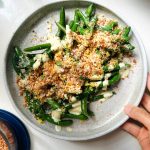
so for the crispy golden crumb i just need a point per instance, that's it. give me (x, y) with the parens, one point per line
(61, 76)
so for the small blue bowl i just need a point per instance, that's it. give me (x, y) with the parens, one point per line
(18, 138)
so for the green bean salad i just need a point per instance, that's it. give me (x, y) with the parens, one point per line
(79, 65)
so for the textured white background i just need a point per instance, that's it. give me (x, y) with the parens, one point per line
(13, 12)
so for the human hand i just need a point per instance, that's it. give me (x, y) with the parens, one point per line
(142, 115)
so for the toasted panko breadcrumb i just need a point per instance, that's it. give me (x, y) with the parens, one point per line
(74, 57)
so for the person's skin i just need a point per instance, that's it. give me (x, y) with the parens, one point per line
(142, 115)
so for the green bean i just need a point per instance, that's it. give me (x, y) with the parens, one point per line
(28, 95)
(71, 23)
(46, 46)
(90, 113)
(114, 79)
(65, 123)
(116, 67)
(61, 27)
(23, 59)
(60, 123)
(18, 51)
(81, 116)
(99, 87)
(62, 17)
(125, 34)
(21, 62)
(126, 31)
(34, 105)
(76, 21)
(116, 31)
(69, 106)
(88, 90)
(106, 69)
(61, 22)
(89, 80)
(89, 29)
(49, 53)
(15, 62)
(54, 105)
(84, 106)
(37, 47)
(82, 17)
(113, 73)
(90, 10)
(110, 26)
(83, 31)
(127, 48)
(97, 97)
(84, 78)
(93, 23)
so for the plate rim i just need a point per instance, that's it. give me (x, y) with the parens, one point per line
(92, 136)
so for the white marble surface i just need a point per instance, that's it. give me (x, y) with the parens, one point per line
(13, 12)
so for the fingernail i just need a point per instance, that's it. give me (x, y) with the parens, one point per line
(128, 108)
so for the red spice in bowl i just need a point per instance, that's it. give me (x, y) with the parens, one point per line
(7, 137)
(3, 144)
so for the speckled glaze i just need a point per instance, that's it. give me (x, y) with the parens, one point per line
(109, 115)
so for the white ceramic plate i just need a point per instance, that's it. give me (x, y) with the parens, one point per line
(109, 115)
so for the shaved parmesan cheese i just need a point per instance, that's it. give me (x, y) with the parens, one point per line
(124, 73)
(121, 65)
(108, 94)
(68, 42)
(73, 99)
(37, 64)
(102, 100)
(76, 104)
(58, 128)
(107, 75)
(55, 43)
(38, 56)
(56, 114)
(93, 84)
(105, 83)
(110, 67)
(38, 59)
(45, 57)
(75, 111)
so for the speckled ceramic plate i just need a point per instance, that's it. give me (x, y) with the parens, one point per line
(109, 115)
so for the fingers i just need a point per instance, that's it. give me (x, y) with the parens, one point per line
(138, 114)
(148, 82)
(144, 139)
(146, 102)
(131, 128)
(140, 133)
(145, 144)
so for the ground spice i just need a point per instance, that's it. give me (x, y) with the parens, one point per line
(3, 145)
